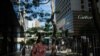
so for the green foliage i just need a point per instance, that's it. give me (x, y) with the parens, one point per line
(47, 27)
(22, 43)
(58, 34)
(29, 6)
(30, 41)
(28, 18)
(41, 14)
(48, 34)
(36, 3)
(47, 14)
(34, 30)
(34, 15)
(28, 11)
(29, 35)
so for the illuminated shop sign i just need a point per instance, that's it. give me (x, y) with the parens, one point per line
(84, 17)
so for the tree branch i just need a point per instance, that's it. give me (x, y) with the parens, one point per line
(45, 2)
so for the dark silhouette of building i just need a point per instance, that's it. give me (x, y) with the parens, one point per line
(8, 27)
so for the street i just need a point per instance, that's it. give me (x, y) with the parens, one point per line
(59, 53)
(27, 52)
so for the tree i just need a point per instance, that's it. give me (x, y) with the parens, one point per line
(33, 30)
(30, 41)
(22, 43)
(48, 27)
(30, 8)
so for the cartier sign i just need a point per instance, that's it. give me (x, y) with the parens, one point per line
(84, 17)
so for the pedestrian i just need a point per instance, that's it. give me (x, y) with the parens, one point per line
(53, 52)
(39, 48)
(23, 51)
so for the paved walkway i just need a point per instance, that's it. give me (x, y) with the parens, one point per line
(27, 52)
(59, 53)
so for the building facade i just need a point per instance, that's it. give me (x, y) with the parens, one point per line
(74, 14)
(76, 17)
(36, 23)
(8, 28)
(23, 22)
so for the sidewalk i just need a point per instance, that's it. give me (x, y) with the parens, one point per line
(59, 53)
(17, 53)
(27, 52)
